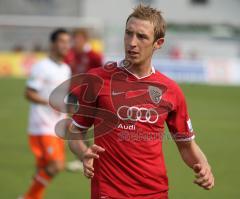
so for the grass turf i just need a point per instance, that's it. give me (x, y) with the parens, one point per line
(215, 114)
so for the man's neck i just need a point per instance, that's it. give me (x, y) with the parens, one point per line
(85, 48)
(141, 70)
(57, 59)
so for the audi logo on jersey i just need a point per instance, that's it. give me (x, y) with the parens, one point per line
(140, 114)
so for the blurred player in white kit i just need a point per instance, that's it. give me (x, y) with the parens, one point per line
(47, 148)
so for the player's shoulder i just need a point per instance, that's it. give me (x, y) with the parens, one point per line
(94, 53)
(41, 65)
(106, 70)
(66, 69)
(66, 66)
(171, 84)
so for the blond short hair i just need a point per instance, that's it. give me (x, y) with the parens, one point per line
(153, 15)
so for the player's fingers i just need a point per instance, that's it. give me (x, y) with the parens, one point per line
(88, 163)
(97, 148)
(207, 183)
(88, 176)
(88, 173)
(211, 183)
(202, 180)
(197, 168)
(202, 172)
(210, 186)
(91, 155)
(89, 167)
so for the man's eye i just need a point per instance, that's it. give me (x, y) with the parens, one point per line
(128, 32)
(141, 36)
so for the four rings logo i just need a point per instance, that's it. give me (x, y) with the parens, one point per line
(140, 114)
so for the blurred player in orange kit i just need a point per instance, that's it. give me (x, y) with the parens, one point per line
(81, 58)
(47, 148)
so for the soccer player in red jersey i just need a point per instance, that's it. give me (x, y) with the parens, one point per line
(128, 104)
(81, 56)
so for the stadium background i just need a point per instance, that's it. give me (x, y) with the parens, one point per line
(202, 52)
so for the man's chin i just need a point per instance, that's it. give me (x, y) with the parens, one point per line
(63, 54)
(132, 60)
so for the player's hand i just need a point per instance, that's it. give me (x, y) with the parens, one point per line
(204, 176)
(89, 155)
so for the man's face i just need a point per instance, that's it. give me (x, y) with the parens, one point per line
(139, 41)
(78, 42)
(62, 45)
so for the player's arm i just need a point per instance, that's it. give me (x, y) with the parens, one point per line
(84, 153)
(83, 119)
(77, 145)
(180, 126)
(33, 96)
(35, 84)
(195, 159)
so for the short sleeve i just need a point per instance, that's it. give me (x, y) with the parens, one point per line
(97, 60)
(84, 117)
(86, 95)
(36, 78)
(178, 120)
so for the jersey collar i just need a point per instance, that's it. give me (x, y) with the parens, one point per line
(153, 71)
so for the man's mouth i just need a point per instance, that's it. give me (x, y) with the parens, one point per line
(132, 53)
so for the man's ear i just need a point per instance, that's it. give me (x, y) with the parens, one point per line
(51, 46)
(158, 43)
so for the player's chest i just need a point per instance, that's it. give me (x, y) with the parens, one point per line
(55, 77)
(136, 104)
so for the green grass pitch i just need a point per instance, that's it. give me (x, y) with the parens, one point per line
(215, 115)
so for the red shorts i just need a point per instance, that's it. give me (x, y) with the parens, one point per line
(47, 148)
(95, 195)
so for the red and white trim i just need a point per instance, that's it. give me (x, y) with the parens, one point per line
(79, 125)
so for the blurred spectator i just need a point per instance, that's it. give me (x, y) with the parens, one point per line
(37, 48)
(175, 53)
(193, 54)
(18, 48)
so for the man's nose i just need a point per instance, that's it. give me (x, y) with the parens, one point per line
(133, 41)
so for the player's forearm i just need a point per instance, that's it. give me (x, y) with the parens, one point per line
(77, 145)
(191, 153)
(34, 97)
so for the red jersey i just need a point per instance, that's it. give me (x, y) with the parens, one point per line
(130, 113)
(82, 62)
